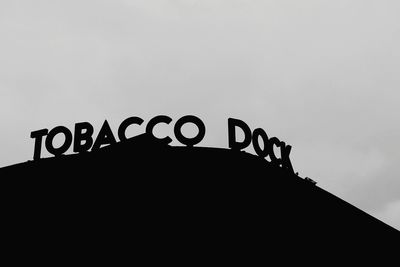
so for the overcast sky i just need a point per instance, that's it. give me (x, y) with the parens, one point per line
(321, 75)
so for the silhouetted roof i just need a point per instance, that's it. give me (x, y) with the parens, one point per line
(191, 200)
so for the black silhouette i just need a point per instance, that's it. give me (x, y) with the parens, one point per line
(143, 199)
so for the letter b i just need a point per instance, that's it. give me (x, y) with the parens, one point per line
(83, 136)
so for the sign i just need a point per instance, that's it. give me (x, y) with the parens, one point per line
(82, 139)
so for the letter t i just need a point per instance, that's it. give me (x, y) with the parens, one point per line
(38, 135)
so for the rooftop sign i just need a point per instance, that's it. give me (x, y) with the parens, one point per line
(82, 138)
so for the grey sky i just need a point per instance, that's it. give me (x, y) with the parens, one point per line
(320, 75)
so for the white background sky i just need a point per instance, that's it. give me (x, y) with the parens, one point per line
(321, 75)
